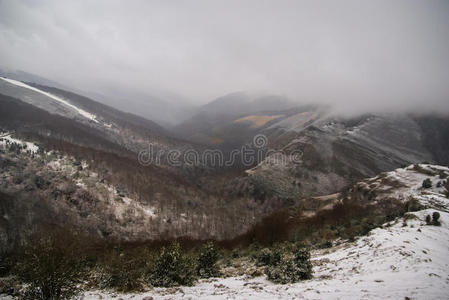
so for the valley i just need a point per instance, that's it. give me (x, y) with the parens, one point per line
(71, 163)
(224, 150)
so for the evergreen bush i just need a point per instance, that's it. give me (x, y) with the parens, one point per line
(292, 267)
(51, 269)
(427, 183)
(436, 218)
(207, 261)
(172, 268)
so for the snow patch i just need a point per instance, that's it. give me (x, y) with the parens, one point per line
(79, 183)
(124, 205)
(8, 139)
(80, 111)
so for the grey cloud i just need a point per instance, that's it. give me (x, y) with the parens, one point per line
(371, 55)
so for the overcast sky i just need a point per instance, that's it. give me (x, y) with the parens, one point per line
(388, 54)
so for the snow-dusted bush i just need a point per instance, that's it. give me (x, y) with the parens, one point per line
(291, 268)
(171, 267)
(263, 257)
(123, 271)
(268, 257)
(436, 218)
(427, 183)
(284, 272)
(302, 259)
(51, 268)
(207, 261)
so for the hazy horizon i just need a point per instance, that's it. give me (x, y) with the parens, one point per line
(355, 55)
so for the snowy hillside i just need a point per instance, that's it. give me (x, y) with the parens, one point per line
(127, 131)
(6, 138)
(405, 259)
(60, 100)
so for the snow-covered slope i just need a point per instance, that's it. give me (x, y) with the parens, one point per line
(60, 100)
(129, 131)
(406, 183)
(390, 263)
(336, 152)
(6, 138)
(405, 258)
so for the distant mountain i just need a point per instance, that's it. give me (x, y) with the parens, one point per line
(217, 123)
(167, 109)
(337, 151)
(29, 77)
(127, 130)
(240, 103)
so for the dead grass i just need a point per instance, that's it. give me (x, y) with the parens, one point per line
(257, 121)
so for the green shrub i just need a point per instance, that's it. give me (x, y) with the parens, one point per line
(51, 268)
(427, 183)
(284, 272)
(263, 257)
(436, 218)
(207, 261)
(172, 268)
(302, 259)
(268, 257)
(291, 268)
(123, 271)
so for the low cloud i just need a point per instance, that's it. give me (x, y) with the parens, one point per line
(354, 55)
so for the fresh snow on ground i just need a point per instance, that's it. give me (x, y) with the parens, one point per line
(80, 111)
(391, 263)
(405, 259)
(6, 138)
(127, 204)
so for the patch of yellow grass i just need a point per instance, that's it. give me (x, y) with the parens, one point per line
(216, 141)
(257, 121)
